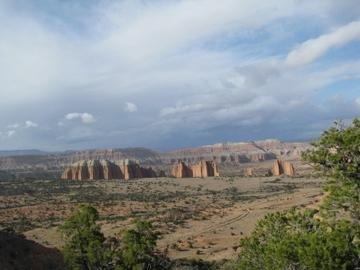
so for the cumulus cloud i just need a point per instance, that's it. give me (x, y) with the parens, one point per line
(26, 124)
(314, 48)
(207, 66)
(30, 124)
(130, 107)
(85, 118)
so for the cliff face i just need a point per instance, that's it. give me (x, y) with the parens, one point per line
(199, 170)
(244, 152)
(180, 170)
(226, 153)
(283, 167)
(289, 168)
(104, 169)
(277, 168)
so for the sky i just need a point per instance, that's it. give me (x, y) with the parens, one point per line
(167, 74)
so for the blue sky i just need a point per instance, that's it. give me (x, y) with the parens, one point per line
(167, 74)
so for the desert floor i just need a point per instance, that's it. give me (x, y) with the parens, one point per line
(196, 218)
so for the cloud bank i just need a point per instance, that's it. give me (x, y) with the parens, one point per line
(201, 71)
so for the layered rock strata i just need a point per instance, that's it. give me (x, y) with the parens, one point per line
(105, 169)
(283, 167)
(200, 170)
(181, 170)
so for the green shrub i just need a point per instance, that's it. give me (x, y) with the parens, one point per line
(328, 240)
(138, 246)
(84, 241)
(294, 240)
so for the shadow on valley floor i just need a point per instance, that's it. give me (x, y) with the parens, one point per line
(16, 252)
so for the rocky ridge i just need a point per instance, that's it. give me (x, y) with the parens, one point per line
(107, 170)
(224, 153)
(243, 152)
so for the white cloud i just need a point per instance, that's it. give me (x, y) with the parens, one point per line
(311, 49)
(130, 107)
(14, 126)
(179, 108)
(10, 133)
(26, 124)
(30, 124)
(85, 118)
(206, 63)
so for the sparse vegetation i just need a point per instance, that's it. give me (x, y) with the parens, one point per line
(203, 208)
(86, 247)
(311, 240)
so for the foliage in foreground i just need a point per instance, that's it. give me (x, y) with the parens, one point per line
(305, 240)
(294, 240)
(337, 156)
(84, 246)
(87, 249)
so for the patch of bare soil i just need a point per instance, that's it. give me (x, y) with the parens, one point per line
(196, 218)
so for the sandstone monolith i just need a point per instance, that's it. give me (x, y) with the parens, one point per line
(277, 168)
(288, 168)
(105, 169)
(249, 171)
(180, 170)
(199, 170)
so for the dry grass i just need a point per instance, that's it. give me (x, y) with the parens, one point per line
(197, 218)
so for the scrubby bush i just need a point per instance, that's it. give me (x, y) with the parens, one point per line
(86, 247)
(84, 240)
(309, 240)
(337, 156)
(138, 246)
(294, 240)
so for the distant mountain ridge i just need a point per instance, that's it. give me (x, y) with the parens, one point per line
(240, 152)
(237, 152)
(22, 152)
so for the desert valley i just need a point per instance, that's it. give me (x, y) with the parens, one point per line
(202, 200)
(179, 135)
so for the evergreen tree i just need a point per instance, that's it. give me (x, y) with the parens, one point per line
(84, 241)
(299, 240)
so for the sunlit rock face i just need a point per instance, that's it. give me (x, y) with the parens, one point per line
(180, 170)
(289, 168)
(280, 167)
(277, 168)
(199, 170)
(249, 172)
(105, 169)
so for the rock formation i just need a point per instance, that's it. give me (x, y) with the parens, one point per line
(249, 172)
(223, 153)
(280, 168)
(201, 169)
(277, 168)
(289, 168)
(180, 170)
(104, 169)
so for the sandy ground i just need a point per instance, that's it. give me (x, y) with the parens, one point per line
(196, 218)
